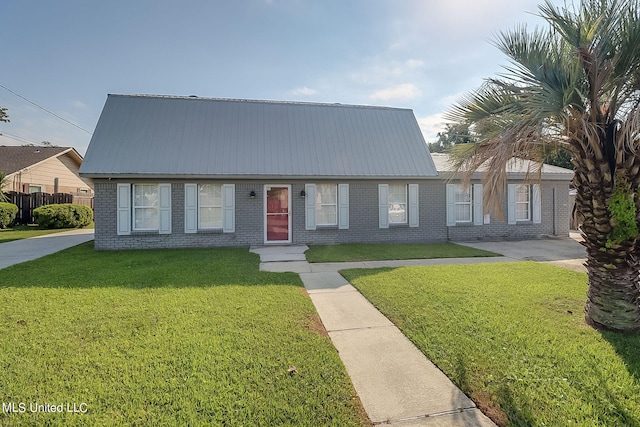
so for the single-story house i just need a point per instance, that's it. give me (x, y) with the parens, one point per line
(30, 169)
(194, 172)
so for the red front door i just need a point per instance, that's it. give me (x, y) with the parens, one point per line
(278, 215)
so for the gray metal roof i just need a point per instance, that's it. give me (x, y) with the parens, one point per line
(156, 136)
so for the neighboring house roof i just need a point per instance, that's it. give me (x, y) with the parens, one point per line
(14, 159)
(516, 169)
(157, 136)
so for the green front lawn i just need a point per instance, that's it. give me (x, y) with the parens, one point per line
(167, 337)
(513, 337)
(26, 231)
(380, 252)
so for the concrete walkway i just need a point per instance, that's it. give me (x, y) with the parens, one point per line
(560, 251)
(394, 380)
(18, 251)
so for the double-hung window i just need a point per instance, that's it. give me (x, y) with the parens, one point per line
(145, 207)
(397, 203)
(523, 202)
(463, 204)
(209, 206)
(326, 204)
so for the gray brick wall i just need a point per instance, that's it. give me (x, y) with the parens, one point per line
(248, 228)
(363, 219)
(555, 219)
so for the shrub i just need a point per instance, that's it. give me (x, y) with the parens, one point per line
(64, 215)
(8, 213)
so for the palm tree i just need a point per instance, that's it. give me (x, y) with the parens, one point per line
(573, 85)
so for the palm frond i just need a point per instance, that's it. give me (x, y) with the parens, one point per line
(575, 85)
(489, 100)
(495, 154)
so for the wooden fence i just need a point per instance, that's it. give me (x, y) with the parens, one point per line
(27, 202)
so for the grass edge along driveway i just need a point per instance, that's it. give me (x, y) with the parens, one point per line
(20, 232)
(351, 252)
(512, 336)
(167, 337)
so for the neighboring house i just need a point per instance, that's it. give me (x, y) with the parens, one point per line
(189, 172)
(43, 169)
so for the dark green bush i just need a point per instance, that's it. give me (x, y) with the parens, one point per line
(8, 213)
(64, 215)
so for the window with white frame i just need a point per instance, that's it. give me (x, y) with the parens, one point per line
(397, 203)
(523, 202)
(463, 203)
(209, 206)
(145, 207)
(327, 204)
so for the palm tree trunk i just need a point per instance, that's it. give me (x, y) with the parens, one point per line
(613, 295)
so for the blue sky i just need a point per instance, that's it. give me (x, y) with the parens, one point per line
(66, 55)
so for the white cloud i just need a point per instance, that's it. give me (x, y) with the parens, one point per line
(397, 93)
(304, 91)
(431, 125)
(464, 20)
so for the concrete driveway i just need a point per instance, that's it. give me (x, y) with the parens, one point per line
(18, 251)
(563, 251)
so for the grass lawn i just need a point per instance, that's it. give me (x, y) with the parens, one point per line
(26, 231)
(380, 251)
(513, 337)
(167, 337)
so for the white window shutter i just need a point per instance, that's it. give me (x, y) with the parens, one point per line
(310, 206)
(478, 214)
(228, 208)
(451, 205)
(343, 206)
(123, 194)
(537, 204)
(164, 208)
(191, 208)
(414, 213)
(511, 203)
(383, 205)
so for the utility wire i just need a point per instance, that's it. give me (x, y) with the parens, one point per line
(44, 109)
(19, 138)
